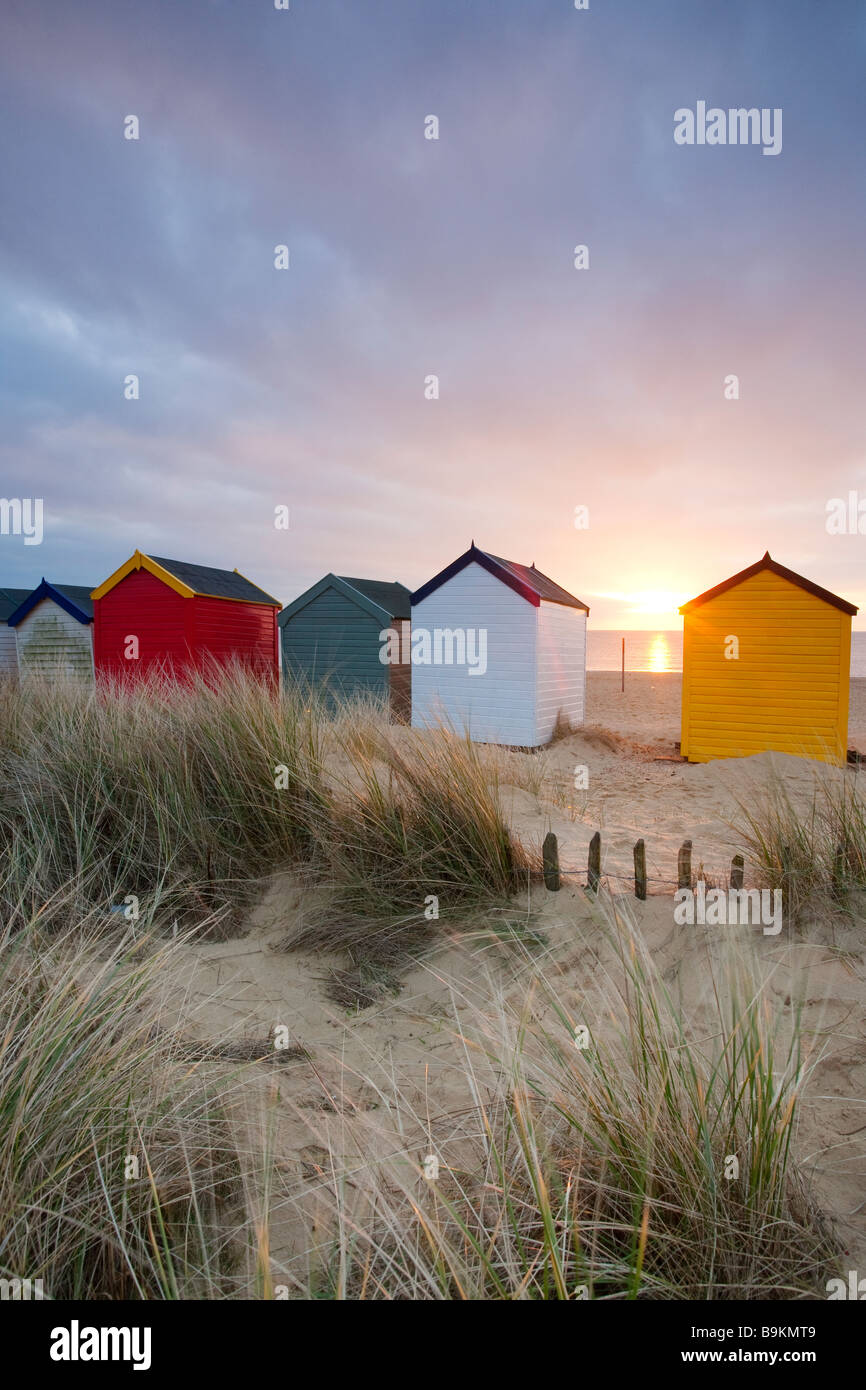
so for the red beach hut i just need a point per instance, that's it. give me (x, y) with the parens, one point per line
(159, 615)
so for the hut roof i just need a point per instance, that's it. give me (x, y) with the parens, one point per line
(10, 599)
(73, 598)
(190, 579)
(395, 599)
(381, 600)
(202, 579)
(525, 580)
(766, 563)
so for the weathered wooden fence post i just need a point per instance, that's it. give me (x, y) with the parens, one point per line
(737, 866)
(640, 870)
(593, 871)
(550, 861)
(684, 865)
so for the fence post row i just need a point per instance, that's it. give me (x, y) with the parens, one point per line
(553, 873)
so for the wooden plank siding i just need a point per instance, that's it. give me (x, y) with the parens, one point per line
(53, 645)
(221, 630)
(177, 634)
(788, 689)
(498, 706)
(400, 690)
(141, 606)
(333, 642)
(8, 651)
(535, 639)
(561, 674)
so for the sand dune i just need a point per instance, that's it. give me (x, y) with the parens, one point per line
(392, 1078)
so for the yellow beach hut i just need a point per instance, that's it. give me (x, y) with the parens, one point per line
(766, 663)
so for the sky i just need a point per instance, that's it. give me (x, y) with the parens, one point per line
(605, 388)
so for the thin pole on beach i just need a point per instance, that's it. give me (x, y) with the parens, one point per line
(622, 687)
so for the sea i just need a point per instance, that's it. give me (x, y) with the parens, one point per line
(663, 651)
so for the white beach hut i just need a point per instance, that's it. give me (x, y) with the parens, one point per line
(498, 652)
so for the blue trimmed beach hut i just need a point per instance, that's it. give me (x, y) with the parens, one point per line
(54, 632)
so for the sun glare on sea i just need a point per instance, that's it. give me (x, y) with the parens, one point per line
(659, 657)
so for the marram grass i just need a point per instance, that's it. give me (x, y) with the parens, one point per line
(816, 855)
(120, 1173)
(192, 796)
(564, 1172)
(655, 1162)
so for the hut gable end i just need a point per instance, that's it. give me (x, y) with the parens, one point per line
(331, 638)
(766, 668)
(53, 632)
(141, 606)
(533, 635)
(178, 629)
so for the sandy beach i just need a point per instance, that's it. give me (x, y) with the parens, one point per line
(638, 787)
(408, 1045)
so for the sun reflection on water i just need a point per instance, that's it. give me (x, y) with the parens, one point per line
(660, 656)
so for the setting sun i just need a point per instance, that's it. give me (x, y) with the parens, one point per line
(655, 601)
(640, 608)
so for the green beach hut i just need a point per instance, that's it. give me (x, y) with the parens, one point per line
(332, 635)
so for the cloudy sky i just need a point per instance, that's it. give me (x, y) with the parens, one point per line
(559, 388)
